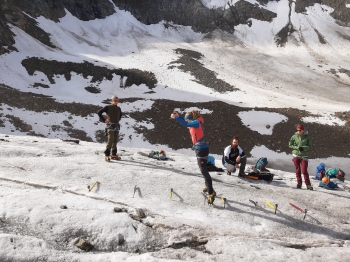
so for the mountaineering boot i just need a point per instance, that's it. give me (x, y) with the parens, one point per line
(205, 190)
(115, 157)
(228, 173)
(299, 186)
(107, 158)
(241, 175)
(211, 198)
(309, 187)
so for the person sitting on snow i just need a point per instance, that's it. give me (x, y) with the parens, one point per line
(234, 157)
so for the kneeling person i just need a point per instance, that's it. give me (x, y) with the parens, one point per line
(234, 157)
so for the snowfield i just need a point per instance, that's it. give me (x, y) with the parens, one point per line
(39, 176)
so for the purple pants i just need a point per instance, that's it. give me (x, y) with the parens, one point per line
(301, 167)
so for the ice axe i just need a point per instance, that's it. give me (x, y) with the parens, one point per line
(93, 185)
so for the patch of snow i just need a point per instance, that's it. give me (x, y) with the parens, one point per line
(261, 121)
(200, 110)
(326, 119)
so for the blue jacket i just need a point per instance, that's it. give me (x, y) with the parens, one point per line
(196, 131)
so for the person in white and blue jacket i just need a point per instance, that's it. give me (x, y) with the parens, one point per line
(234, 157)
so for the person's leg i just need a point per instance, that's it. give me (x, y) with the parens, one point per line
(230, 168)
(110, 138)
(296, 162)
(114, 142)
(242, 166)
(304, 165)
(202, 159)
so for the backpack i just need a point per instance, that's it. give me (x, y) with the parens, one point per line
(332, 172)
(211, 161)
(341, 175)
(261, 164)
(160, 155)
(320, 171)
(330, 185)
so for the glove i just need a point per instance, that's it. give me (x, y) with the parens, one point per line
(301, 149)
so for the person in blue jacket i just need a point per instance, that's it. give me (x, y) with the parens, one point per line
(194, 122)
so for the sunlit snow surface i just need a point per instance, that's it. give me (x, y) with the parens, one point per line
(49, 173)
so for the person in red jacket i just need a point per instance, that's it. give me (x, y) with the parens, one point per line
(194, 122)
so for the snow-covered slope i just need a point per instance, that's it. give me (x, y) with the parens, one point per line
(47, 174)
(308, 72)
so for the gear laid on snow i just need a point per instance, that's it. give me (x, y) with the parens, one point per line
(115, 157)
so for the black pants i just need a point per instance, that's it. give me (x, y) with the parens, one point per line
(202, 159)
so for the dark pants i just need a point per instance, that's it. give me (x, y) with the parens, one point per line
(202, 159)
(112, 142)
(242, 165)
(301, 167)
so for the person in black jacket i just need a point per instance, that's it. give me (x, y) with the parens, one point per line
(112, 117)
(234, 157)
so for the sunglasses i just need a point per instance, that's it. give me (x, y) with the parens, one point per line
(299, 130)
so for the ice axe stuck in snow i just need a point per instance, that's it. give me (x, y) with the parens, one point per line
(300, 209)
(93, 185)
(224, 200)
(135, 189)
(272, 206)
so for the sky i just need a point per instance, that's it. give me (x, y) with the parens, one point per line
(47, 174)
(39, 175)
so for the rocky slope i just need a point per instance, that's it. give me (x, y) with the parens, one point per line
(22, 14)
(193, 13)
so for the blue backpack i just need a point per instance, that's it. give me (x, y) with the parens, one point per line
(330, 185)
(211, 161)
(320, 171)
(261, 164)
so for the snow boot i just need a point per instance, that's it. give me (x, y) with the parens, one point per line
(107, 158)
(241, 175)
(299, 186)
(211, 198)
(309, 187)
